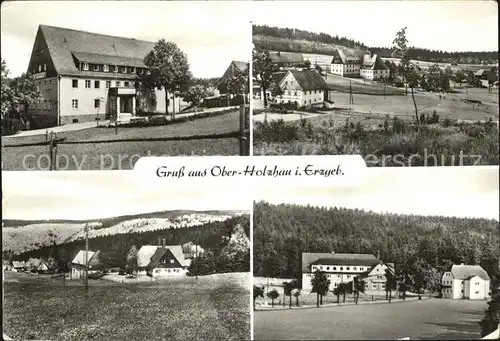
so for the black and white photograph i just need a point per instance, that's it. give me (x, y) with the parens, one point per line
(398, 257)
(95, 87)
(402, 83)
(86, 259)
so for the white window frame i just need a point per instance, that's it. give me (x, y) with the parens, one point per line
(132, 69)
(108, 84)
(117, 84)
(89, 82)
(116, 69)
(85, 66)
(105, 68)
(96, 67)
(39, 67)
(50, 104)
(44, 67)
(74, 104)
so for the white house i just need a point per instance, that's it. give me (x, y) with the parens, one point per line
(304, 87)
(375, 278)
(18, 266)
(466, 281)
(339, 267)
(374, 68)
(79, 263)
(162, 260)
(345, 63)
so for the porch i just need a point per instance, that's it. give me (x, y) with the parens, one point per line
(122, 103)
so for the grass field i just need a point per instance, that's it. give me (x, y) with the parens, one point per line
(123, 155)
(191, 309)
(434, 319)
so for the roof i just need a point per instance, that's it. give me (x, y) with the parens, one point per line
(96, 58)
(467, 271)
(286, 57)
(149, 254)
(62, 43)
(374, 63)
(337, 259)
(348, 56)
(278, 76)
(480, 72)
(240, 65)
(17, 264)
(80, 257)
(309, 80)
(336, 58)
(33, 262)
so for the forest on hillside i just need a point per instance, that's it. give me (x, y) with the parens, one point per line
(290, 40)
(212, 237)
(283, 232)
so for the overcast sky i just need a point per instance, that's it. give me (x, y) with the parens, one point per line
(102, 194)
(440, 25)
(447, 191)
(208, 32)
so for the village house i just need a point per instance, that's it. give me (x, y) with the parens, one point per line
(374, 68)
(80, 262)
(18, 266)
(304, 88)
(345, 63)
(342, 268)
(286, 60)
(466, 282)
(83, 76)
(375, 278)
(162, 260)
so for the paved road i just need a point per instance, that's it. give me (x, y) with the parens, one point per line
(434, 319)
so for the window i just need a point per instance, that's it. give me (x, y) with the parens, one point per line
(96, 67)
(327, 268)
(87, 84)
(44, 67)
(124, 69)
(50, 104)
(127, 84)
(341, 268)
(74, 104)
(106, 68)
(477, 292)
(41, 51)
(172, 261)
(39, 68)
(108, 84)
(348, 276)
(347, 268)
(132, 69)
(115, 68)
(97, 84)
(157, 271)
(334, 268)
(45, 105)
(85, 66)
(354, 268)
(75, 83)
(117, 84)
(321, 267)
(141, 70)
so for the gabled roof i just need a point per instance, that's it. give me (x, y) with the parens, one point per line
(62, 43)
(96, 58)
(277, 77)
(336, 58)
(17, 264)
(240, 65)
(286, 57)
(148, 254)
(309, 80)
(348, 56)
(33, 262)
(374, 63)
(465, 271)
(80, 257)
(337, 258)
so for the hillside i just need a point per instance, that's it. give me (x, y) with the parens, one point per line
(283, 232)
(23, 236)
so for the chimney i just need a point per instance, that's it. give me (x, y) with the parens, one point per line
(378, 255)
(159, 241)
(164, 242)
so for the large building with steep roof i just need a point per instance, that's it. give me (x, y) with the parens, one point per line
(84, 76)
(162, 260)
(466, 281)
(303, 87)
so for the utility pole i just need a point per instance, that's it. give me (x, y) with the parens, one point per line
(196, 260)
(86, 257)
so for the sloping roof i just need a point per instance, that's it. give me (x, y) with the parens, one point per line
(278, 76)
(96, 58)
(480, 72)
(374, 63)
(466, 271)
(80, 257)
(309, 80)
(33, 262)
(286, 57)
(144, 255)
(17, 264)
(62, 42)
(348, 56)
(240, 65)
(337, 258)
(148, 253)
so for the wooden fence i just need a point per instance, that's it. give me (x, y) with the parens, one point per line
(242, 135)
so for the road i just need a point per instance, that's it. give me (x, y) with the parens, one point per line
(434, 319)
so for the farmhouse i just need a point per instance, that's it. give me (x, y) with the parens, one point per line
(231, 71)
(374, 68)
(162, 260)
(285, 60)
(83, 76)
(466, 281)
(80, 262)
(18, 266)
(375, 278)
(342, 268)
(302, 87)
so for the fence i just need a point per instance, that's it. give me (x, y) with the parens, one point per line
(242, 135)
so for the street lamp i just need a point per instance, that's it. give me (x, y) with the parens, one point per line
(88, 226)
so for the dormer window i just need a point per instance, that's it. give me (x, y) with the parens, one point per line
(39, 68)
(96, 67)
(115, 69)
(85, 66)
(141, 71)
(132, 69)
(124, 69)
(148, 72)
(106, 68)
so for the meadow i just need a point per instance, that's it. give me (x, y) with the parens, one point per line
(189, 138)
(434, 319)
(169, 310)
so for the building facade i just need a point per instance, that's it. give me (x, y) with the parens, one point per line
(80, 262)
(162, 260)
(466, 282)
(304, 88)
(374, 68)
(85, 76)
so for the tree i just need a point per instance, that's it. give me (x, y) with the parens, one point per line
(132, 260)
(168, 68)
(6, 90)
(390, 284)
(459, 77)
(320, 284)
(410, 74)
(358, 287)
(288, 288)
(257, 292)
(491, 320)
(238, 84)
(336, 292)
(263, 69)
(344, 289)
(307, 64)
(273, 294)
(195, 94)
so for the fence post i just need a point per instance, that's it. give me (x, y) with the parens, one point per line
(243, 137)
(51, 150)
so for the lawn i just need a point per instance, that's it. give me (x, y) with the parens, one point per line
(179, 310)
(434, 319)
(123, 155)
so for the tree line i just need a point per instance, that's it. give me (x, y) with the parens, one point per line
(427, 245)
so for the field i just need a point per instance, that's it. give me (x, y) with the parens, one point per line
(123, 155)
(434, 319)
(207, 308)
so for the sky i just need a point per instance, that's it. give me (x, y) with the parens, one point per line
(445, 191)
(203, 30)
(440, 25)
(102, 194)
